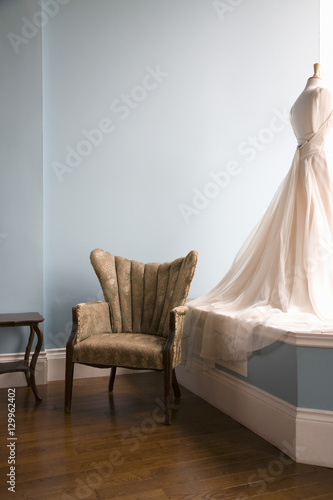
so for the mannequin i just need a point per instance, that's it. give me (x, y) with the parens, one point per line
(281, 280)
(312, 107)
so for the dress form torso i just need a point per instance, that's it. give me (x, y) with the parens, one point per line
(311, 109)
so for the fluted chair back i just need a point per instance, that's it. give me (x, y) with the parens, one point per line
(141, 296)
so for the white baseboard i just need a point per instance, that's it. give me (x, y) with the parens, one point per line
(305, 435)
(50, 366)
(17, 379)
(314, 435)
(56, 367)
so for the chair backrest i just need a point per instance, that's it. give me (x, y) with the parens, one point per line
(141, 296)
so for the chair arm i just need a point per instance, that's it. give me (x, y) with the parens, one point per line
(174, 338)
(180, 310)
(89, 318)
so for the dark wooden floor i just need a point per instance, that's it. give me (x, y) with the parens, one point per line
(117, 447)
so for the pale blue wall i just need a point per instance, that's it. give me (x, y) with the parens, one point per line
(226, 74)
(301, 376)
(229, 74)
(223, 76)
(274, 370)
(315, 375)
(21, 168)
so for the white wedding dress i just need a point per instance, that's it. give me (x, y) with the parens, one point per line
(282, 278)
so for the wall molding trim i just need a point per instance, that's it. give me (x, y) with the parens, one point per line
(56, 367)
(305, 435)
(50, 367)
(309, 339)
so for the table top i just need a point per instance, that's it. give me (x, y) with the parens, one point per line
(20, 319)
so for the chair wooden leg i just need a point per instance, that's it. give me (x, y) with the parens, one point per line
(167, 393)
(112, 377)
(68, 384)
(175, 385)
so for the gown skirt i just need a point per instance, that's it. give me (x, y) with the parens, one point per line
(282, 277)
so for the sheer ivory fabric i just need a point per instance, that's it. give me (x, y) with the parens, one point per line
(282, 278)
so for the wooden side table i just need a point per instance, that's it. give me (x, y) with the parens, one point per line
(25, 319)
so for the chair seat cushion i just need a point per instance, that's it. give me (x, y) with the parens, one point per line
(129, 350)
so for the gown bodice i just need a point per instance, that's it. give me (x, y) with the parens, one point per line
(310, 112)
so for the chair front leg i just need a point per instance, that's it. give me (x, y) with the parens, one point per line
(69, 371)
(167, 386)
(112, 377)
(68, 384)
(167, 395)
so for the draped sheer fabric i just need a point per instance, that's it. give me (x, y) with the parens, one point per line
(282, 277)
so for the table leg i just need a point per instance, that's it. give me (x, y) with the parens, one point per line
(34, 360)
(27, 353)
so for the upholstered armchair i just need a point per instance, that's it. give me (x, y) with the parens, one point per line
(140, 323)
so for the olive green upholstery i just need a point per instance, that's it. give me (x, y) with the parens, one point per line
(140, 323)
